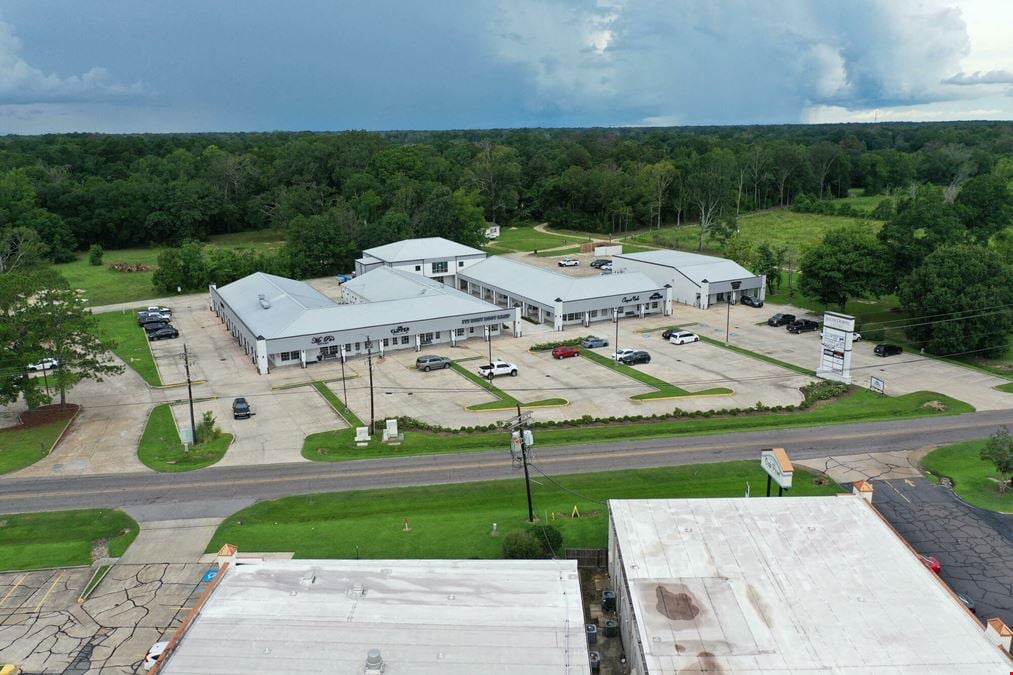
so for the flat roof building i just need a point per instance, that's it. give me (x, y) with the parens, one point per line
(782, 585)
(279, 321)
(434, 257)
(698, 280)
(423, 617)
(543, 295)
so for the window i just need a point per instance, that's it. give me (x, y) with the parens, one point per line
(594, 313)
(440, 267)
(386, 342)
(288, 356)
(418, 268)
(437, 335)
(460, 332)
(460, 263)
(654, 305)
(356, 346)
(348, 347)
(404, 340)
(330, 350)
(471, 330)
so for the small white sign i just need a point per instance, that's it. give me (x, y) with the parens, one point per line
(777, 465)
(877, 385)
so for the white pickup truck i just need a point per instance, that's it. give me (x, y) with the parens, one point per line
(491, 370)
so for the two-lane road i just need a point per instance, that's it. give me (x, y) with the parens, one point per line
(204, 492)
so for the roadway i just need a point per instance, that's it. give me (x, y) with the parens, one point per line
(218, 491)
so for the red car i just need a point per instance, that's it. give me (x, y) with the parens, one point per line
(564, 352)
(931, 562)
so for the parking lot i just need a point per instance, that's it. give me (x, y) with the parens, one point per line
(45, 630)
(903, 374)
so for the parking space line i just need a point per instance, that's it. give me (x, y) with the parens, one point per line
(13, 588)
(893, 487)
(44, 597)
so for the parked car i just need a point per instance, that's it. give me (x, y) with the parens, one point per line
(617, 356)
(241, 409)
(568, 262)
(432, 362)
(803, 326)
(751, 301)
(669, 333)
(157, 325)
(605, 270)
(931, 562)
(342, 278)
(151, 658)
(565, 352)
(47, 363)
(166, 333)
(855, 337)
(496, 368)
(887, 350)
(591, 342)
(153, 317)
(635, 357)
(967, 603)
(683, 337)
(600, 262)
(780, 319)
(158, 309)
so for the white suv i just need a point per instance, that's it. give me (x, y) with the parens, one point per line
(621, 353)
(682, 337)
(569, 262)
(491, 370)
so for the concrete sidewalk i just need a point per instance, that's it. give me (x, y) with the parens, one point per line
(171, 541)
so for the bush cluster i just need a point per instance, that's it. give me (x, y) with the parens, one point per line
(548, 346)
(825, 207)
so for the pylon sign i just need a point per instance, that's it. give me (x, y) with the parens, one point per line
(835, 347)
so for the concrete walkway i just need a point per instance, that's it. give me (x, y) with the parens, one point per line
(171, 541)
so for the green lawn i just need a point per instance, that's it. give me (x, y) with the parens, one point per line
(559, 254)
(664, 389)
(1008, 387)
(973, 479)
(506, 401)
(131, 343)
(527, 238)
(454, 521)
(62, 538)
(351, 418)
(104, 286)
(160, 448)
(24, 446)
(863, 203)
(860, 405)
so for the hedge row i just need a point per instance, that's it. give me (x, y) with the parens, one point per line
(547, 346)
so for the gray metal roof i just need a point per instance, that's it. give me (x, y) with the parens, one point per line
(387, 283)
(426, 617)
(296, 308)
(544, 286)
(788, 585)
(696, 266)
(428, 248)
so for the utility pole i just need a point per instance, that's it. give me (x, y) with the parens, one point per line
(344, 390)
(519, 441)
(189, 394)
(488, 339)
(369, 357)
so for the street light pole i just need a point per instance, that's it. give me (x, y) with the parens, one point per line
(189, 394)
(615, 315)
(488, 339)
(728, 314)
(369, 357)
(344, 389)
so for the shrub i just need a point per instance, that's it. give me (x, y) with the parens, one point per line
(883, 210)
(95, 253)
(550, 539)
(823, 390)
(548, 346)
(208, 429)
(521, 545)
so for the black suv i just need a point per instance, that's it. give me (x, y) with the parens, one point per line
(241, 409)
(152, 327)
(887, 350)
(166, 333)
(780, 319)
(751, 301)
(600, 262)
(633, 358)
(803, 326)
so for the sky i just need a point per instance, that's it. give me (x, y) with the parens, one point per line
(261, 65)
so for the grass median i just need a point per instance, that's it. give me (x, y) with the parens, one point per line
(131, 343)
(664, 389)
(974, 480)
(26, 443)
(162, 450)
(454, 521)
(860, 405)
(63, 538)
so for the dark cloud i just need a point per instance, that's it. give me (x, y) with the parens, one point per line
(978, 77)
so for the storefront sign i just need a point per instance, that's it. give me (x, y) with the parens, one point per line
(656, 296)
(399, 330)
(777, 465)
(322, 339)
(483, 319)
(631, 298)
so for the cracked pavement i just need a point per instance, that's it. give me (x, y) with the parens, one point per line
(45, 630)
(975, 547)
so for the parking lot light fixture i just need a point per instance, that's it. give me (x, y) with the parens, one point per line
(488, 340)
(369, 357)
(728, 314)
(615, 317)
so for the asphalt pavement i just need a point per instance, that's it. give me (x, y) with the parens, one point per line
(217, 491)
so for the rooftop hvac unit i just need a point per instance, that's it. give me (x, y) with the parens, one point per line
(264, 302)
(374, 663)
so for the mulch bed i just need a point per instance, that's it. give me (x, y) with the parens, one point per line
(43, 415)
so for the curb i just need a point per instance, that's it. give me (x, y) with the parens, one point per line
(64, 432)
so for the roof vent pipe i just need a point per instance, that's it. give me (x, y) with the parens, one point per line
(374, 663)
(264, 302)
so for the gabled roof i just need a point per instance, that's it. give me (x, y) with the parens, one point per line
(544, 286)
(428, 248)
(286, 301)
(387, 283)
(697, 267)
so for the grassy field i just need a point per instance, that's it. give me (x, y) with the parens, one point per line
(664, 389)
(859, 405)
(160, 448)
(25, 445)
(62, 538)
(104, 286)
(454, 521)
(975, 480)
(506, 401)
(131, 343)
(862, 203)
(781, 227)
(527, 238)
